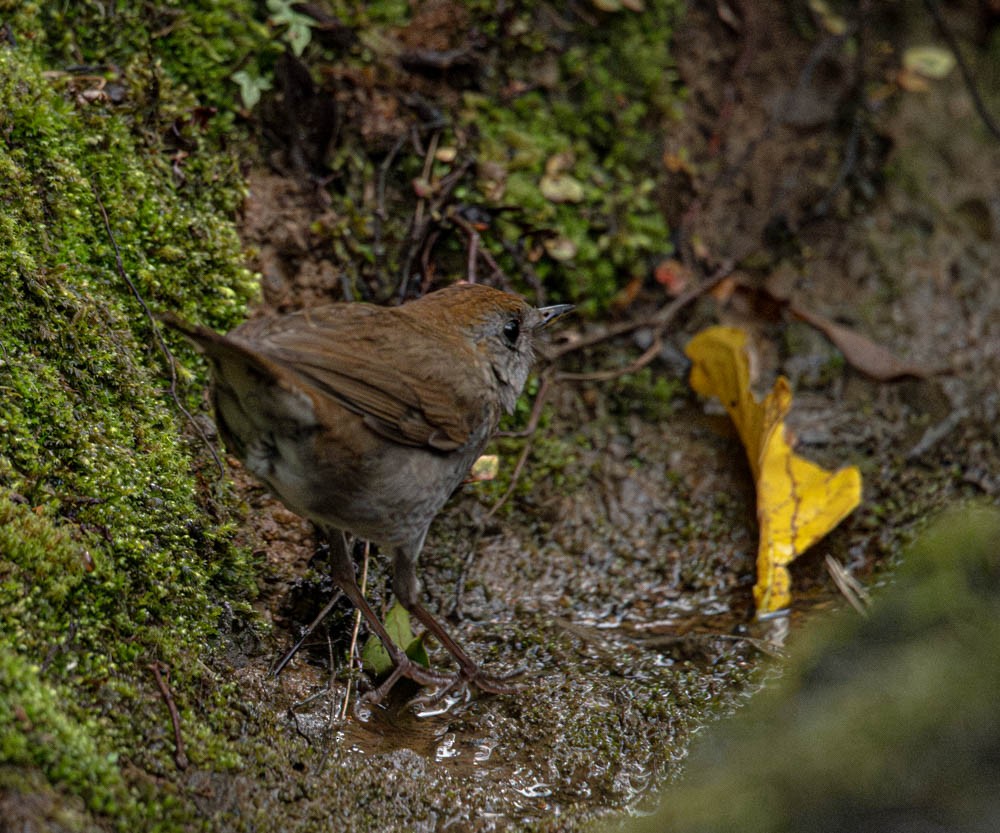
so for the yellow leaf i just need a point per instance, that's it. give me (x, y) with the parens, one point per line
(560, 248)
(798, 502)
(561, 188)
(929, 61)
(486, 467)
(833, 23)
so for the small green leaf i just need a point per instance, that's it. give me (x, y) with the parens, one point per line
(397, 622)
(299, 32)
(251, 86)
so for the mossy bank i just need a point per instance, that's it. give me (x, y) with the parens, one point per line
(109, 563)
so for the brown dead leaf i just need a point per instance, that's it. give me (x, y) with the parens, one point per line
(673, 276)
(625, 297)
(725, 289)
(861, 352)
(911, 81)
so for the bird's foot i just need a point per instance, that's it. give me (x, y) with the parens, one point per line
(439, 685)
(405, 668)
(494, 683)
(473, 677)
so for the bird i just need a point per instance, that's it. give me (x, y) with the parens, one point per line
(365, 418)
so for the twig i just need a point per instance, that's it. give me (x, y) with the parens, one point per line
(171, 362)
(425, 173)
(852, 589)
(527, 270)
(476, 250)
(379, 215)
(970, 82)
(536, 410)
(513, 480)
(851, 151)
(306, 633)
(294, 717)
(616, 372)
(180, 757)
(354, 632)
(658, 321)
(419, 230)
(470, 268)
(847, 165)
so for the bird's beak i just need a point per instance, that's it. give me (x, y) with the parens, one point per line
(550, 314)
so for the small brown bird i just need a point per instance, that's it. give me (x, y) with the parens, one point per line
(365, 419)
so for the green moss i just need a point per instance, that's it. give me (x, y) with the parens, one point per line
(614, 92)
(649, 395)
(186, 52)
(108, 561)
(564, 125)
(46, 737)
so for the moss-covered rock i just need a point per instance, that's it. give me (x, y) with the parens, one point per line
(108, 561)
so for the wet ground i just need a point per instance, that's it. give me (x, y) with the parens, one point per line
(618, 574)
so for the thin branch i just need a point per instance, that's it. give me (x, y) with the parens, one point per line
(306, 634)
(852, 589)
(515, 475)
(970, 82)
(180, 757)
(477, 251)
(419, 231)
(658, 322)
(536, 410)
(527, 270)
(608, 375)
(379, 216)
(354, 633)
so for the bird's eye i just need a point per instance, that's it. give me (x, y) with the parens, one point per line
(511, 330)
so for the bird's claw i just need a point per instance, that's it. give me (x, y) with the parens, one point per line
(473, 678)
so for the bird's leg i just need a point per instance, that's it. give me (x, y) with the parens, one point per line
(406, 588)
(342, 572)
(470, 671)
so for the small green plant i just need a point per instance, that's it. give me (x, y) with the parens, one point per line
(251, 86)
(296, 27)
(580, 156)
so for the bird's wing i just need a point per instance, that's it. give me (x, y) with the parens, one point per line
(397, 394)
(261, 396)
(333, 352)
